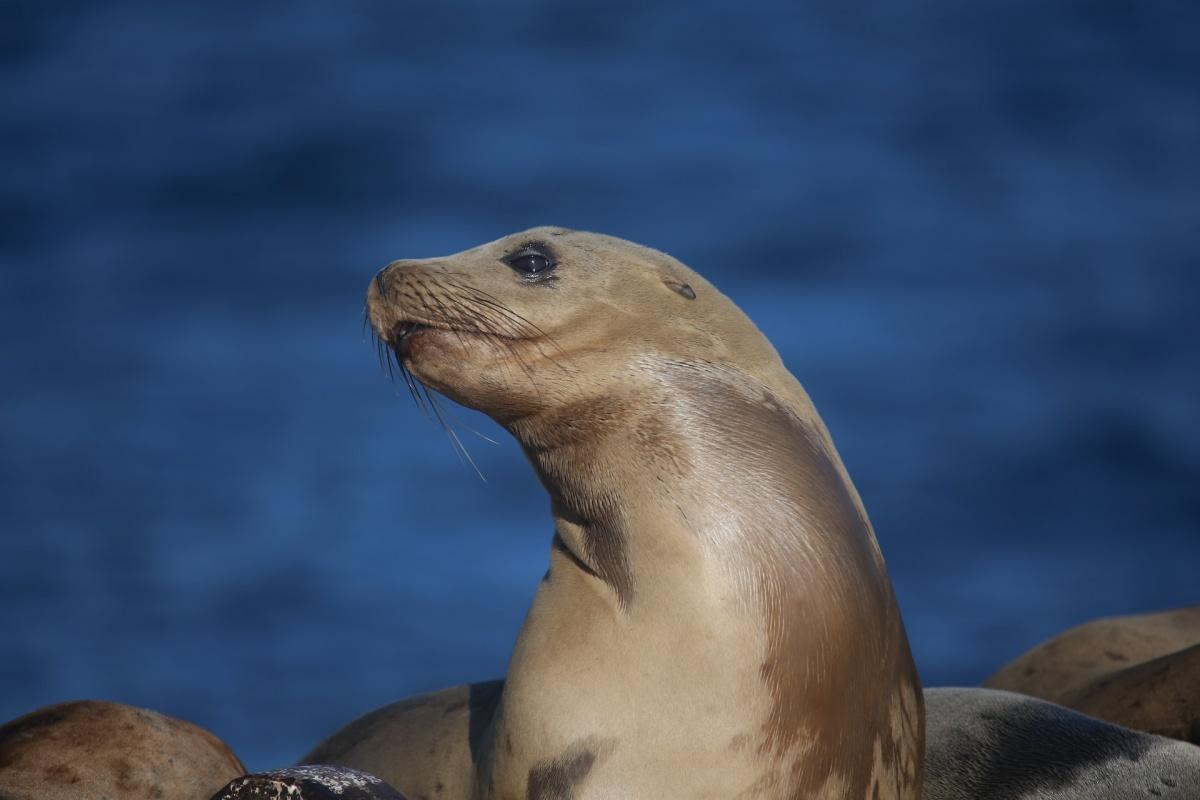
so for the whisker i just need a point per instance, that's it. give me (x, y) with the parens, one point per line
(379, 354)
(451, 316)
(459, 448)
(465, 310)
(491, 300)
(504, 342)
(483, 436)
(520, 325)
(413, 387)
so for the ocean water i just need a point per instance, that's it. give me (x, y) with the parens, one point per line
(972, 231)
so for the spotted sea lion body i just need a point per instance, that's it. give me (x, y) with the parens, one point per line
(1140, 671)
(94, 749)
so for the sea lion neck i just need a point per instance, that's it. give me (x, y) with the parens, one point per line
(627, 474)
(702, 516)
(607, 453)
(656, 425)
(598, 460)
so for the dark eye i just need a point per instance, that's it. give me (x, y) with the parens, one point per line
(530, 262)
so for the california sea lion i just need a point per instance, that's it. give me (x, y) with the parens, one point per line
(717, 620)
(1141, 671)
(107, 750)
(1160, 696)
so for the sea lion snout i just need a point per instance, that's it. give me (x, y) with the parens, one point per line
(383, 288)
(377, 294)
(383, 284)
(387, 300)
(452, 324)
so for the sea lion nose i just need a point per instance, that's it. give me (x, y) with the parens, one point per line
(379, 297)
(384, 282)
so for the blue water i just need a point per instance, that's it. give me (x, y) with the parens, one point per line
(972, 230)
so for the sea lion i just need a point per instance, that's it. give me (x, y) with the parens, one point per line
(108, 750)
(717, 619)
(1097, 648)
(1141, 671)
(1160, 696)
(309, 782)
(983, 744)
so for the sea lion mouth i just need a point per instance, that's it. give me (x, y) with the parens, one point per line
(400, 335)
(402, 309)
(436, 329)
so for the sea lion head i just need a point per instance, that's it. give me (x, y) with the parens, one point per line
(549, 317)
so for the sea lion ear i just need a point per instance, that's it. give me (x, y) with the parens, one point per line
(680, 288)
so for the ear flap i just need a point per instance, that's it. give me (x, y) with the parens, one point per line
(680, 288)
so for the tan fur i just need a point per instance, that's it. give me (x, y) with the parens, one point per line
(717, 620)
(1097, 648)
(1140, 671)
(1160, 696)
(107, 750)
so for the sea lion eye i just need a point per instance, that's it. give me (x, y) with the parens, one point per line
(530, 261)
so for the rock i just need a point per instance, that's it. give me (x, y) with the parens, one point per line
(309, 782)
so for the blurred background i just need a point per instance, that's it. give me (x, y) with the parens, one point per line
(972, 231)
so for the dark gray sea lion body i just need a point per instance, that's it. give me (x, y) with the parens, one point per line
(983, 744)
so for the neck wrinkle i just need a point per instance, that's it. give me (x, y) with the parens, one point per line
(602, 463)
